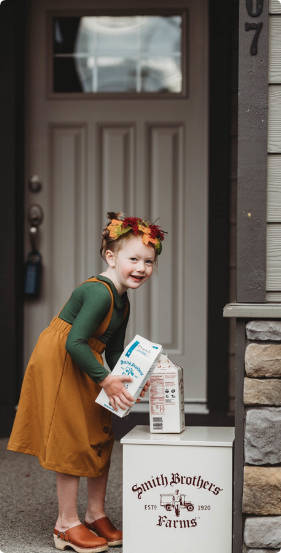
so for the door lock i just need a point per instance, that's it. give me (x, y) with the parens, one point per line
(35, 218)
(35, 215)
(34, 184)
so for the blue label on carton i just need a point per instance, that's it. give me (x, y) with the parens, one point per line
(131, 349)
(130, 368)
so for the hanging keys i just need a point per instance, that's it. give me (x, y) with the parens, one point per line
(33, 265)
(32, 274)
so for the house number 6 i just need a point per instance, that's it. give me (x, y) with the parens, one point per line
(254, 9)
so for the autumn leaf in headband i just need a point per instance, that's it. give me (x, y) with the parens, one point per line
(151, 234)
(116, 229)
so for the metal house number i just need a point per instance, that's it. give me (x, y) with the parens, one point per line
(254, 9)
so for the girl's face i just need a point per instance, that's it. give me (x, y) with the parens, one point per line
(132, 264)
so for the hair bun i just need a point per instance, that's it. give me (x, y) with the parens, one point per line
(112, 215)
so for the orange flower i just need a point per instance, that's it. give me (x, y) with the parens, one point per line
(147, 239)
(115, 228)
(145, 230)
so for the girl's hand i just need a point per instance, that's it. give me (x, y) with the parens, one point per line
(116, 391)
(144, 390)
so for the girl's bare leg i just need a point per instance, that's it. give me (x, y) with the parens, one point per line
(67, 492)
(96, 497)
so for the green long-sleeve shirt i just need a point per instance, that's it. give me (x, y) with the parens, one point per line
(85, 310)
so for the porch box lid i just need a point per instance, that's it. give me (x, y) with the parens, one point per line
(202, 436)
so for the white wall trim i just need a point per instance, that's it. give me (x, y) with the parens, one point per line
(250, 310)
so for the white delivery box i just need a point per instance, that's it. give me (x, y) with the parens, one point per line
(166, 397)
(136, 361)
(177, 491)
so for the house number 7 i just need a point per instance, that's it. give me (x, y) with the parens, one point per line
(254, 9)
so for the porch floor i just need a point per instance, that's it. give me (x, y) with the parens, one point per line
(28, 492)
(28, 501)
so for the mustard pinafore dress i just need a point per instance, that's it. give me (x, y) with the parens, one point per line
(57, 418)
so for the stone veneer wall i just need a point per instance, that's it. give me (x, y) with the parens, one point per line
(262, 445)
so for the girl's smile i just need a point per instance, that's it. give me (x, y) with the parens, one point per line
(131, 265)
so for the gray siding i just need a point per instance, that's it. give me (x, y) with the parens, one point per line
(273, 280)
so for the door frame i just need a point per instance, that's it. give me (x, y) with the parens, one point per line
(13, 15)
(223, 19)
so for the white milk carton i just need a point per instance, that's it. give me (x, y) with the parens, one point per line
(136, 361)
(166, 397)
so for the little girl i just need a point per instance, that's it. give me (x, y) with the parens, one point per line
(57, 418)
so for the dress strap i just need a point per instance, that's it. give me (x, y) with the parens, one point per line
(106, 321)
(126, 310)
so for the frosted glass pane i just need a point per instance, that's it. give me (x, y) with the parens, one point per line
(161, 74)
(118, 54)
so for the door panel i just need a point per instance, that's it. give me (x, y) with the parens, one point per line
(146, 157)
(68, 208)
(165, 151)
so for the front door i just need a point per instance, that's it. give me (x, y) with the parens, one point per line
(117, 120)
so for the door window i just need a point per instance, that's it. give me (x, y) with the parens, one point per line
(138, 54)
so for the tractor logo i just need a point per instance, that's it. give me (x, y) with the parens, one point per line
(175, 501)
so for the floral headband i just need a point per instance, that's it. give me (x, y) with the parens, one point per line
(151, 234)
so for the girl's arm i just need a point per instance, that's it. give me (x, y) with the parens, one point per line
(113, 385)
(95, 306)
(115, 346)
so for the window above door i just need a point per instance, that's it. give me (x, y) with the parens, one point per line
(118, 55)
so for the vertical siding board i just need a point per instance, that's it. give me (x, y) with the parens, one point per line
(252, 160)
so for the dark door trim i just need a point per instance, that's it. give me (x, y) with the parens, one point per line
(223, 64)
(12, 38)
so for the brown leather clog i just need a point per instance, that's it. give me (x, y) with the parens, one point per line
(104, 527)
(81, 539)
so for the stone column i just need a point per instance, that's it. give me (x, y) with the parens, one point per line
(262, 441)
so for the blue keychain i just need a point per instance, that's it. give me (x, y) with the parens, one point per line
(33, 265)
(32, 274)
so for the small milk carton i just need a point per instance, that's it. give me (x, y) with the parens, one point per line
(136, 361)
(166, 397)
